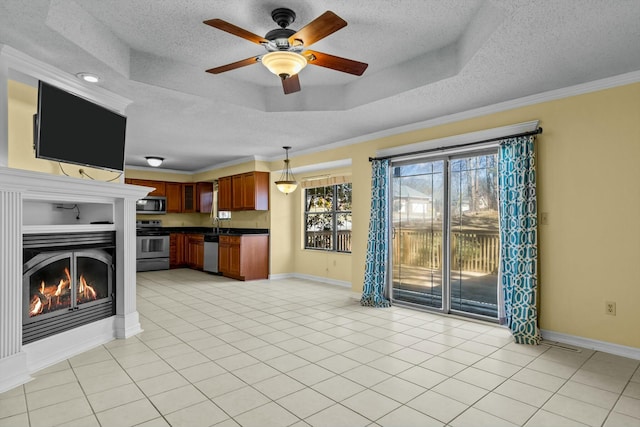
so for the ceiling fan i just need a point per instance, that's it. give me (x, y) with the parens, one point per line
(287, 50)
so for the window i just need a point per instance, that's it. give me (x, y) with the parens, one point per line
(328, 218)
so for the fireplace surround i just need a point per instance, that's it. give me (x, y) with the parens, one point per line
(108, 209)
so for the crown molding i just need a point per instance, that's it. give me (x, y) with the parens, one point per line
(19, 62)
(580, 89)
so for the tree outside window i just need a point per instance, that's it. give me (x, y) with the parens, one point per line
(328, 218)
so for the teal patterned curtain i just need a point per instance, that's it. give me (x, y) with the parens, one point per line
(375, 274)
(519, 238)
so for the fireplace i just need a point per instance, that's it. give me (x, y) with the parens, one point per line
(68, 281)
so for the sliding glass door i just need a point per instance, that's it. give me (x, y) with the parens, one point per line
(445, 242)
(417, 214)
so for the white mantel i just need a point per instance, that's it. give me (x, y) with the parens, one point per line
(19, 188)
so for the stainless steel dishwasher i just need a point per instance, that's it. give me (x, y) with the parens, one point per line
(211, 253)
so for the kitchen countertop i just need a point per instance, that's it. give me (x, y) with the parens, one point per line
(212, 231)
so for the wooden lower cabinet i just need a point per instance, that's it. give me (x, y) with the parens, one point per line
(177, 245)
(244, 257)
(195, 251)
(186, 250)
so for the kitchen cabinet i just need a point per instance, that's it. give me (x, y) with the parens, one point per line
(174, 197)
(158, 185)
(195, 251)
(204, 197)
(237, 192)
(247, 191)
(244, 257)
(177, 244)
(185, 197)
(224, 193)
(188, 197)
(181, 197)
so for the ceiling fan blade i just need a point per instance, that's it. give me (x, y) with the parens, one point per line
(335, 62)
(236, 31)
(233, 65)
(291, 84)
(324, 25)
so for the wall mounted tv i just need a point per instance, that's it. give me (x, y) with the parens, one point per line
(74, 130)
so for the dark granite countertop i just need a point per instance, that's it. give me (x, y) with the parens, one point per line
(212, 230)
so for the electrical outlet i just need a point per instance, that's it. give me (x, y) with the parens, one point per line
(544, 218)
(610, 308)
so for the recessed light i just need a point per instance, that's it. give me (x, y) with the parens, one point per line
(88, 77)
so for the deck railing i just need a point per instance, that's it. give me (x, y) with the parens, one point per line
(476, 251)
(323, 240)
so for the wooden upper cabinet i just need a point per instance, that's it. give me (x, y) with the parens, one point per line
(181, 197)
(188, 197)
(204, 198)
(256, 194)
(224, 193)
(249, 191)
(237, 192)
(174, 197)
(158, 185)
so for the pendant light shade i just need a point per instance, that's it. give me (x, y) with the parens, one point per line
(284, 64)
(287, 182)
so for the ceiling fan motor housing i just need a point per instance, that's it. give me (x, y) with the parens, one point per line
(283, 16)
(280, 36)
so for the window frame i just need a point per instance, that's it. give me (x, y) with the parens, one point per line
(334, 213)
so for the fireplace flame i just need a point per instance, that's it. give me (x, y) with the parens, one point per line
(54, 297)
(35, 306)
(88, 293)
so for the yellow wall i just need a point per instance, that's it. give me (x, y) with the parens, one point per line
(22, 105)
(588, 181)
(588, 178)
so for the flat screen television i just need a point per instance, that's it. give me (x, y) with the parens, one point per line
(74, 130)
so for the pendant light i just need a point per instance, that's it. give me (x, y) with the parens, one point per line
(287, 182)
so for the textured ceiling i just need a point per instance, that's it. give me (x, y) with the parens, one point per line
(427, 58)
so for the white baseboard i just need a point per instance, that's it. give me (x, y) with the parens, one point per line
(320, 279)
(607, 347)
(127, 325)
(14, 371)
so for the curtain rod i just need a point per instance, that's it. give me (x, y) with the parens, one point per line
(533, 132)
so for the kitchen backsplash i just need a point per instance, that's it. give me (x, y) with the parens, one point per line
(243, 219)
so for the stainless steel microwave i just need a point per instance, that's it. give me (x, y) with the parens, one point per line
(152, 205)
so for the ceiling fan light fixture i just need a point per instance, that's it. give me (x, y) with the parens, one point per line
(154, 161)
(287, 182)
(284, 63)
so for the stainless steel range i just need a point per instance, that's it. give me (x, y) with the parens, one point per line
(152, 246)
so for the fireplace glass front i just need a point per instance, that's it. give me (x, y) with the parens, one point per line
(68, 282)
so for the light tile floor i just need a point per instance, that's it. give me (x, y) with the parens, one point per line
(217, 352)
